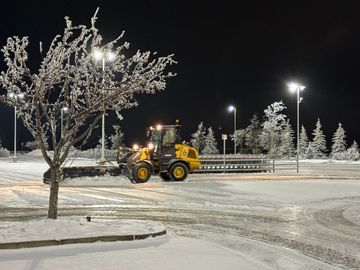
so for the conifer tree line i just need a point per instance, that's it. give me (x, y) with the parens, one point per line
(274, 135)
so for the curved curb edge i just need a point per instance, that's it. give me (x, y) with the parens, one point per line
(82, 240)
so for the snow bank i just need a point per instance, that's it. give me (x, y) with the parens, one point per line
(97, 180)
(73, 227)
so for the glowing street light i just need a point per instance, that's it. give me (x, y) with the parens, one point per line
(295, 87)
(232, 108)
(100, 55)
(16, 97)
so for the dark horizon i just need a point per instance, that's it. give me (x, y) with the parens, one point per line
(225, 55)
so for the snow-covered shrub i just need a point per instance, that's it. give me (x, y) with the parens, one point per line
(4, 152)
(274, 122)
(352, 153)
(94, 153)
(198, 138)
(338, 149)
(117, 138)
(252, 137)
(317, 148)
(287, 147)
(33, 145)
(210, 143)
(303, 144)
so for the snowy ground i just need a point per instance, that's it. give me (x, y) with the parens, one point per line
(267, 224)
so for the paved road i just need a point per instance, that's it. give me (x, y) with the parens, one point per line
(306, 224)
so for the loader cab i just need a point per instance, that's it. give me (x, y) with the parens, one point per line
(163, 140)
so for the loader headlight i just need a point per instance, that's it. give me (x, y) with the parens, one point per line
(135, 147)
(151, 146)
(158, 127)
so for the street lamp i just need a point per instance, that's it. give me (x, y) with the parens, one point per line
(16, 97)
(103, 56)
(295, 87)
(232, 108)
(63, 110)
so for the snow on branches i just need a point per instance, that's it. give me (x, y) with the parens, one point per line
(70, 77)
(73, 88)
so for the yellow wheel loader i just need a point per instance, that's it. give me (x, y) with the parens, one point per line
(164, 155)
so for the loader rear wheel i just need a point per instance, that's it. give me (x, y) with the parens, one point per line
(141, 173)
(178, 172)
(165, 176)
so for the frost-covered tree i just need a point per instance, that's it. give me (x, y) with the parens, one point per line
(303, 143)
(252, 137)
(210, 143)
(287, 147)
(69, 76)
(117, 138)
(274, 122)
(198, 138)
(338, 147)
(317, 148)
(352, 153)
(239, 136)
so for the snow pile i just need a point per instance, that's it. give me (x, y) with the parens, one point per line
(97, 180)
(35, 153)
(73, 227)
(4, 152)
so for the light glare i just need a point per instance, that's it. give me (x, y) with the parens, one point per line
(136, 147)
(151, 146)
(110, 56)
(293, 87)
(98, 55)
(231, 108)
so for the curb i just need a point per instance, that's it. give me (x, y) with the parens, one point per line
(82, 240)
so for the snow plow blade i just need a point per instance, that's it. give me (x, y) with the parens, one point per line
(88, 171)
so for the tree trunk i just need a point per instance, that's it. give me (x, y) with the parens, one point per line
(54, 191)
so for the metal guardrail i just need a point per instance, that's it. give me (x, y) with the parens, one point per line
(243, 164)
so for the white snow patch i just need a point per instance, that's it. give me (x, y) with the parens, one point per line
(72, 227)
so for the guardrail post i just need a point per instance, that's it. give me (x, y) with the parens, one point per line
(273, 165)
(262, 164)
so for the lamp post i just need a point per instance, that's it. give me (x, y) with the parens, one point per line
(16, 97)
(63, 110)
(232, 108)
(295, 87)
(102, 56)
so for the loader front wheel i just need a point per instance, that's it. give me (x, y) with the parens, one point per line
(141, 173)
(178, 172)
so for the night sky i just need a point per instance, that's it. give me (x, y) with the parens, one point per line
(242, 55)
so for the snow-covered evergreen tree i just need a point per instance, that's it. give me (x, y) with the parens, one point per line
(239, 136)
(317, 148)
(274, 122)
(338, 147)
(210, 143)
(352, 153)
(287, 147)
(303, 143)
(198, 138)
(252, 137)
(70, 75)
(117, 138)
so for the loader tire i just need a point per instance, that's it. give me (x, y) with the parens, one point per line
(141, 173)
(165, 176)
(178, 172)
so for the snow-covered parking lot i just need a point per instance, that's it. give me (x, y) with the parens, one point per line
(284, 223)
